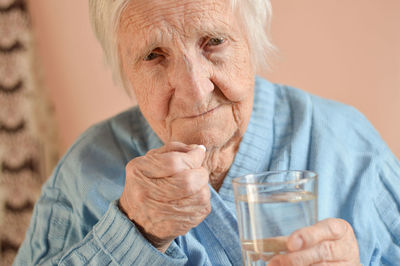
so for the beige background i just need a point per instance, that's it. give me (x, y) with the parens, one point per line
(344, 50)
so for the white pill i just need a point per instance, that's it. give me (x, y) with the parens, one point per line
(203, 147)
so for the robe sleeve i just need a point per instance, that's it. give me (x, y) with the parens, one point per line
(114, 240)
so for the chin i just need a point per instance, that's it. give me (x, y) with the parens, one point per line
(212, 138)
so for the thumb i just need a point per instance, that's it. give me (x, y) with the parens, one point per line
(197, 154)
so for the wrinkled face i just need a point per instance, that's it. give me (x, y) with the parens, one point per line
(189, 66)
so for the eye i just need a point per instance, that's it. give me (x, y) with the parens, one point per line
(215, 41)
(151, 56)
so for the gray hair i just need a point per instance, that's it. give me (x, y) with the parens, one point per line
(255, 18)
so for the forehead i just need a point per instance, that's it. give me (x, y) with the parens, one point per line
(178, 16)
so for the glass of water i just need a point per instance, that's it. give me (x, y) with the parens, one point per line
(270, 206)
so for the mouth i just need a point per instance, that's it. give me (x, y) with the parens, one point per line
(205, 113)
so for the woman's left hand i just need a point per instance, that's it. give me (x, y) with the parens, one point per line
(328, 242)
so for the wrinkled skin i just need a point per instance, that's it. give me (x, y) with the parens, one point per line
(189, 66)
(328, 242)
(166, 192)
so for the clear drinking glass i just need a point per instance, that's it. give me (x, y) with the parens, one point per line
(270, 206)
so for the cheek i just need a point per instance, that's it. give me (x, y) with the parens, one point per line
(238, 84)
(154, 108)
(152, 97)
(236, 77)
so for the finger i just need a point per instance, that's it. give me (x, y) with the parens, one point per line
(328, 229)
(202, 198)
(159, 165)
(326, 251)
(196, 156)
(170, 163)
(183, 205)
(173, 146)
(178, 186)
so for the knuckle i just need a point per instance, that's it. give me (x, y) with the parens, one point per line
(173, 145)
(134, 167)
(139, 198)
(174, 162)
(205, 211)
(291, 260)
(204, 196)
(133, 182)
(128, 167)
(183, 228)
(204, 175)
(346, 226)
(188, 187)
(131, 166)
(307, 235)
(337, 227)
(152, 151)
(327, 250)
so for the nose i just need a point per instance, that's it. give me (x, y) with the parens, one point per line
(190, 78)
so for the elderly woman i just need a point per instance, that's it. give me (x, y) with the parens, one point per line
(152, 186)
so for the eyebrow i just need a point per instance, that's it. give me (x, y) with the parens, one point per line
(213, 30)
(150, 42)
(157, 36)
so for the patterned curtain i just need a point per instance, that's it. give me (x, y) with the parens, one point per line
(27, 131)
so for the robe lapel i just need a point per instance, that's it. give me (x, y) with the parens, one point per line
(223, 224)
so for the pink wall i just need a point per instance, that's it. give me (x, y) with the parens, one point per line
(79, 83)
(343, 50)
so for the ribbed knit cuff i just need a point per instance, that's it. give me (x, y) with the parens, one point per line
(123, 241)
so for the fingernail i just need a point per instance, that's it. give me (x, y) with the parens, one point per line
(296, 243)
(203, 148)
(193, 146)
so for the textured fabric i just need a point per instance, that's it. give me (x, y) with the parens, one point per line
(27, 129)
(76, 220)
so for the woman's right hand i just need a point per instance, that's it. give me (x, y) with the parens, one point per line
(166, 192)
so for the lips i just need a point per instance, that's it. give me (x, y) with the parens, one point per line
(204, 113)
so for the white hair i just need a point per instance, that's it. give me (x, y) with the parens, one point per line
(254, 16)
